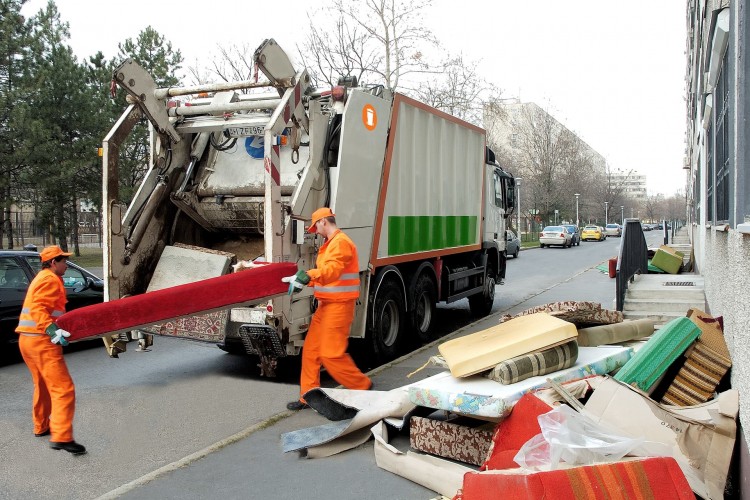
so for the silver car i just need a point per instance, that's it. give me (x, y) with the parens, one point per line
(613, 230)
(555, 235)
(512, 244)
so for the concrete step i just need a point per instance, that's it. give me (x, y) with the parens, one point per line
(663, 297)
(681, 293)
(659, 319)
(664, 287)
(665, 305)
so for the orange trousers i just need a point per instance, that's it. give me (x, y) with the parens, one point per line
(54, 393)
(325, 344)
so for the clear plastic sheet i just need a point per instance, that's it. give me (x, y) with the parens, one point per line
(575, 439)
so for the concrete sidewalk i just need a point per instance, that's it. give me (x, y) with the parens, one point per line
(251, 464)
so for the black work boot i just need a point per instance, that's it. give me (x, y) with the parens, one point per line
(70, 447)
(297, 405)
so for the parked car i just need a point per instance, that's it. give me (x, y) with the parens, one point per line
(646, 227)
(555, 235)
(593, 232)
(576, 234)
(613, 230)
(17, 269)
(512, 244)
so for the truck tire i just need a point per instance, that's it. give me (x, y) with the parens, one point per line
(422, 315)
(388, 321)
(481, 303)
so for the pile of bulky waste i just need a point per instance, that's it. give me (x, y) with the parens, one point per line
(565, 400)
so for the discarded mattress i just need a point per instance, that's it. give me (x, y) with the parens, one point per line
(536, 363)
(581, 313)
(658, 353)
(658, 478)
(615, 333)
(512, 433)
(464, 439)
(706, 364)
(481, 397)
(246, 287)
(485, 349)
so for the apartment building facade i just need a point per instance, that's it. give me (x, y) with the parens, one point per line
(718, 157)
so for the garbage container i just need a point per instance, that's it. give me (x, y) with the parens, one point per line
(613, 267)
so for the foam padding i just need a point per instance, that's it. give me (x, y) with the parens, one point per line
(130, 313)
(483, 350)
(658, 353)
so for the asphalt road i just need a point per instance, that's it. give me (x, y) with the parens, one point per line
(189, 421)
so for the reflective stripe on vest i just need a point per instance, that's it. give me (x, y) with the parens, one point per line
(337, 289)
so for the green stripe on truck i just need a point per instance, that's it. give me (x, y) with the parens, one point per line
(420, 233)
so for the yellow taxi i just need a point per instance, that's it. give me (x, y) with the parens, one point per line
(592, 232)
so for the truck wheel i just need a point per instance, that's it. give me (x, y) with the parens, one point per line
(481, 303)
(424, 297)
(388, 318)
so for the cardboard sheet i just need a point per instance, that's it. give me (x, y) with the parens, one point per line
(479, 396)
(439, 475)
(701, 438)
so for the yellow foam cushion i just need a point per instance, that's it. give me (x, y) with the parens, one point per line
(483, 350)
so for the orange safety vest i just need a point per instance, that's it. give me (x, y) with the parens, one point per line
(336, 275)
(44, 303)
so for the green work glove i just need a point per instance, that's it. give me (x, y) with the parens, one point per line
(57, 335)
(297, 282)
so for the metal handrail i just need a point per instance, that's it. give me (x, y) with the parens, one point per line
(633, 258)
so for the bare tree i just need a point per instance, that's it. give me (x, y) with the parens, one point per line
(458, 89)
(379, 41)
(547, 150)
(676, 206)
(229, 64)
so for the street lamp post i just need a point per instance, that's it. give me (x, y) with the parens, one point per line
(606, 212)
(518, 215)
(578, 222)
(622, 214)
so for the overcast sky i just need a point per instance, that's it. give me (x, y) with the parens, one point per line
(613, 72)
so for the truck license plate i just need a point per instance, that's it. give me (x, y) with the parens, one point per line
(245, 131)
(258, 317)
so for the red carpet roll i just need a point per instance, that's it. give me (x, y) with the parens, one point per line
(242, 288)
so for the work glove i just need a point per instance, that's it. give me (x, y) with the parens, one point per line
(297, 282)
(57, 335)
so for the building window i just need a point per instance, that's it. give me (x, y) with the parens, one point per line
(697, 190)
(722, 146)
(710, 174)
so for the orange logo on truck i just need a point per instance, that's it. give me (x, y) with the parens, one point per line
(369, 117)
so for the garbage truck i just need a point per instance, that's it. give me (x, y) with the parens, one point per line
(237, 168)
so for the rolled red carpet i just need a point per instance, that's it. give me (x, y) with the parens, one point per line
(242, 288)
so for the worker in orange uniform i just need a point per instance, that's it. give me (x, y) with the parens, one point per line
(336, 283)
(41, 341)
